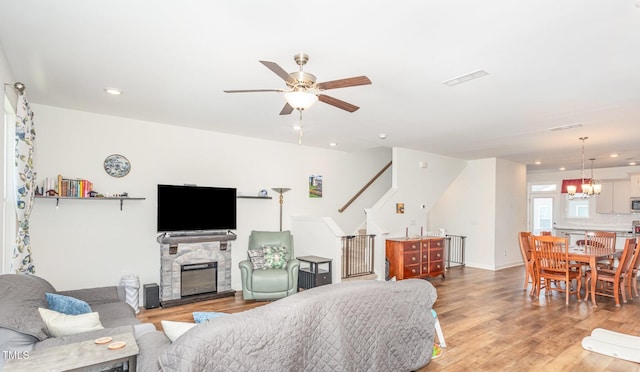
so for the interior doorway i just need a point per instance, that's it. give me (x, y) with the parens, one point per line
(542, 214)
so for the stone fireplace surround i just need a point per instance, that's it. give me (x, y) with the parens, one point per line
(182, 250)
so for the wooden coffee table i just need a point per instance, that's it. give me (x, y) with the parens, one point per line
(85, 356)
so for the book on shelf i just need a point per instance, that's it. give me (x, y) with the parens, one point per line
(69, 187)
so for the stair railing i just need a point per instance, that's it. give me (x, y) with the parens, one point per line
(371, 181)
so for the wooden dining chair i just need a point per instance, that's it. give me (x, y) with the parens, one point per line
(612, 280)
(631, 280)
(600, 239)
(545, 233)
(583, 242)
(551, 254)
(524, 239)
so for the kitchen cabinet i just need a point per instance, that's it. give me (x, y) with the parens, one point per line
(635, 185)
(614, 197)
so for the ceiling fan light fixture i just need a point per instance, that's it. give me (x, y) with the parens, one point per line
(300, 100)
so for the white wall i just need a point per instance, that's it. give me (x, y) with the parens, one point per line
(90, 243)
(487, 204)
(415, 187)
(468, 207)
(511, 212)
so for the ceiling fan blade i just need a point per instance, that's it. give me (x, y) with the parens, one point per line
(287, 109)
(278, 71)
(253, 90)
(343, 83)
(337, 103)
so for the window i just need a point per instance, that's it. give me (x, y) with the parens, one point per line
(577, 207)
(543, 188)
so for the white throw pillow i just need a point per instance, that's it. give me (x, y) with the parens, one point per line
(60, 324)
(173, 330)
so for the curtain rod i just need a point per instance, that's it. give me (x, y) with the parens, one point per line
(20, 87)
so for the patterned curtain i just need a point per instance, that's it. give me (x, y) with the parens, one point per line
(25, 183)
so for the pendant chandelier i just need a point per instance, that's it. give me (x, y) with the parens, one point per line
(593, 186)
(589, 186)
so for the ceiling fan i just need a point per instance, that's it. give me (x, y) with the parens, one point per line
(303, 91)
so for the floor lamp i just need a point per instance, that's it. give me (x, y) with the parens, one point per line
(280, 190)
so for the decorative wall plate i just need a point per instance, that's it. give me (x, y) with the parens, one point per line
(117, 165)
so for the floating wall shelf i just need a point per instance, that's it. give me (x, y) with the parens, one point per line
(121, 198)
(252, 197)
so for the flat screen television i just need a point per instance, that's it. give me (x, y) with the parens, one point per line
(196, 208)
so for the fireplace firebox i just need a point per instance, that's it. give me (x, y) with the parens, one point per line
(198, 278)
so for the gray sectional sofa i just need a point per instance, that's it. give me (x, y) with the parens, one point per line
(356, 326)
(350, 326)
(23, 329)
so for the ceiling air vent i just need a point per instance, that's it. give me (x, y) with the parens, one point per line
(563, 127)
(465, 78)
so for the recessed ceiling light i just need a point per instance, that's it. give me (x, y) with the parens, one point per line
(465, 78)
(562, 168)
(538, 162)
(113, 91)
(632, 163)
(297, 127)
(614, 155)
(333, 144)
(382, 135)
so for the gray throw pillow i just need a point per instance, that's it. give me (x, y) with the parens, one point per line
(21, 296)
(257, 258)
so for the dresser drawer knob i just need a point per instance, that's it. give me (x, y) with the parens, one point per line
(413, 246)
(413, 271)
(424, 257)
(413, 258)
(438, 255)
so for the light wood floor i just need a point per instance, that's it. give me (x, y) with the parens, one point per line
(183, 313)
(491, 324)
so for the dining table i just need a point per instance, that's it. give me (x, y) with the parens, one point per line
(590, 256)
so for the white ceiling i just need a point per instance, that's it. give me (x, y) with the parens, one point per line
(551, 63)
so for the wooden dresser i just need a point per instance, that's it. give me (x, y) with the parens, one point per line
(415, 257)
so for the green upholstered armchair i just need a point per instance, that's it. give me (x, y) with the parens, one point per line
(270, 284)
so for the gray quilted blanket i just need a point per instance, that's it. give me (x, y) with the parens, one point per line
(351, 326)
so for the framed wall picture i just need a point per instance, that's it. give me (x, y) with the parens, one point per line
(315, 186)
